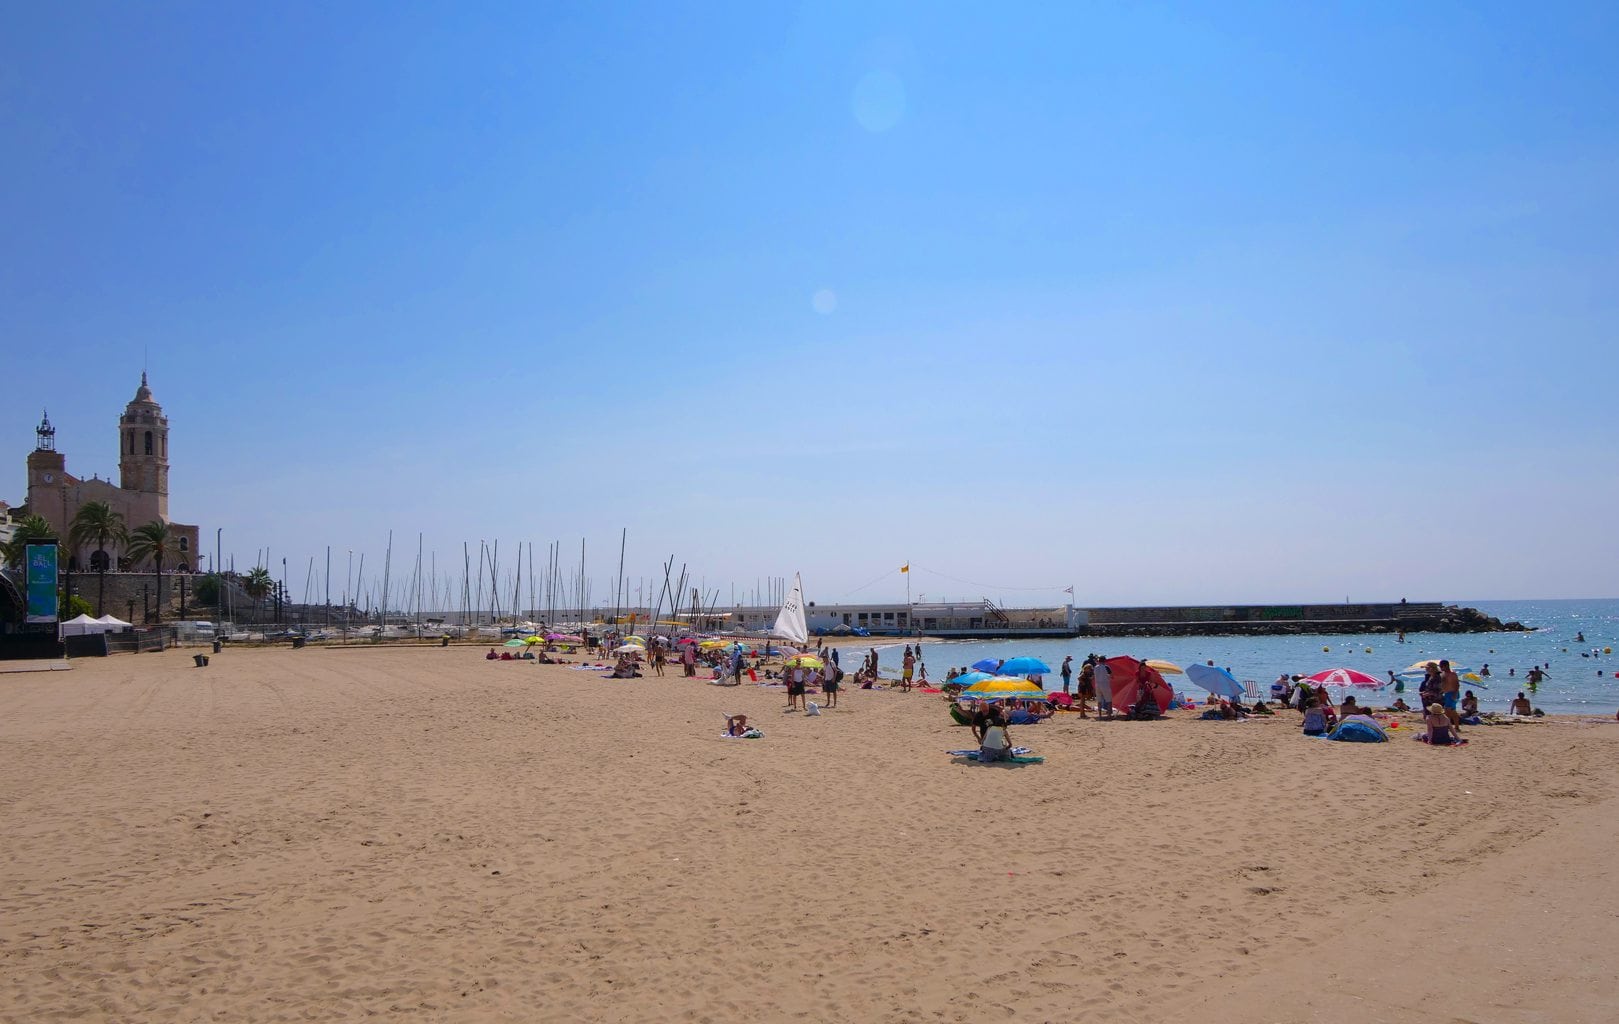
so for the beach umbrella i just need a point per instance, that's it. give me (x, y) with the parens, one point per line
(1166, 668)
(1003, 688)
(685, 640)
(988, 665)
(629, 649)
(533, 640)
(713, 645)
(1024, 667)
(514, 642)
(1345, 677)
(1123, 669)
(568, 638)
(969, 678)
(1419, 666)
(641, 640)
(805, 661)
(1215, 680)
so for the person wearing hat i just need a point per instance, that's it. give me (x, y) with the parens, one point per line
(1441, 731)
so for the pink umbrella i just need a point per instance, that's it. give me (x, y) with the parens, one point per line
(686, 640)
(1346, 677)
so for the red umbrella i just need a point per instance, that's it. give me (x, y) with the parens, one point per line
(1124, 671)
(686, 640)
(1345, 677)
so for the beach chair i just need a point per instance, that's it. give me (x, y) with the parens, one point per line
(1250, 690)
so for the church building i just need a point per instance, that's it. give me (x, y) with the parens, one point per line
(141, 495)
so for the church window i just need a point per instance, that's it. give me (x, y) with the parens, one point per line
(148, 442)
(185, 543)
(132, 442)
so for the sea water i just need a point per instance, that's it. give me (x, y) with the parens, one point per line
(1580, 678)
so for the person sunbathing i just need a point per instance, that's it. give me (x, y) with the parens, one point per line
(1521, 705)
(736, 725)
(1399, 705)
(1441, 731)
(1350, 707)
(1026, 716)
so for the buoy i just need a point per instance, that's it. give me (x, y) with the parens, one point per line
(1607, 650)
(1326, 650)
(1368, 650)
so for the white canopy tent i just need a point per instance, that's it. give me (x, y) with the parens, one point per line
(84, 625)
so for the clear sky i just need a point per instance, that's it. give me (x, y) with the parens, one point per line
(1206, 302)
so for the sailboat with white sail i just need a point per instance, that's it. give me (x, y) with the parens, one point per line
(790, 624)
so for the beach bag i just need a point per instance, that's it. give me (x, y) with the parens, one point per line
(811, 708)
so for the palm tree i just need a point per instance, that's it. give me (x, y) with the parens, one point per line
(97, 525)
(257, 583)
(29, 530)
(151, 542)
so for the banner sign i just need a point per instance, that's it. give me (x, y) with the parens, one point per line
(41, 573)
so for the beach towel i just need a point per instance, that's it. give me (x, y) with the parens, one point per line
(1452, 743)
(972, 755)
(1016, 752)
(749, 733)
(1359, 731)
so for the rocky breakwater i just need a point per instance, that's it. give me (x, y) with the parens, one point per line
(1426, 619)
(1470, 620)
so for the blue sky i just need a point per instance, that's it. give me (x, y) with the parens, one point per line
(1171, 302)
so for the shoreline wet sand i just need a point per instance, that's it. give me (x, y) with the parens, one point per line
(297, 835)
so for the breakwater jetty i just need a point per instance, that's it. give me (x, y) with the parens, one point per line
(1283, 619)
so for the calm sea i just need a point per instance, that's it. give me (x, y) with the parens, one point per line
(1581, 679)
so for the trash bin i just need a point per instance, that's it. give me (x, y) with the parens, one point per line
(444, 641)
(298, 642)
(216, 646)
(200, 659)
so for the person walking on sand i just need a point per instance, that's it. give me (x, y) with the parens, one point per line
(829, 685)
(1067, 672)
(1104, 689)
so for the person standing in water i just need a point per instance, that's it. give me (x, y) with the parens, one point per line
(1067, 673)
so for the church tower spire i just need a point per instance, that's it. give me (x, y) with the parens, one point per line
(143, 445)
(45, 434)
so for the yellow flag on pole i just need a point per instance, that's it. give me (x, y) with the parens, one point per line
(906, 567)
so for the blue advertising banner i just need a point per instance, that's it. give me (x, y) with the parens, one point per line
(42, 598)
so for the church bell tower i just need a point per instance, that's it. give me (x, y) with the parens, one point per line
(143, 463)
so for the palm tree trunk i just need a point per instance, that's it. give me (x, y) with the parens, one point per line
(101, 592)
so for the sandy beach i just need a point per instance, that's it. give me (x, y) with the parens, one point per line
(420, 833)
